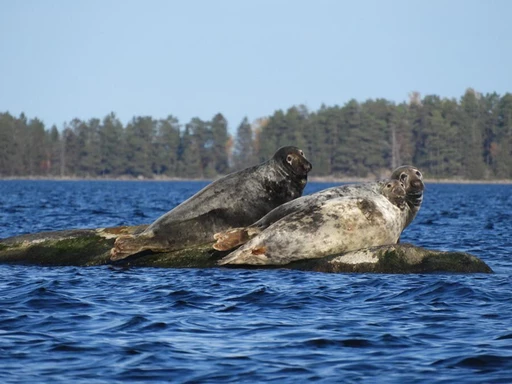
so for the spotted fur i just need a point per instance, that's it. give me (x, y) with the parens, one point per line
(335, 225)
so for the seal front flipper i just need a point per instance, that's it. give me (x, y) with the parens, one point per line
(234, 237)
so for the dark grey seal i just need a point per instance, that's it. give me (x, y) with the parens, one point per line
(235, 200)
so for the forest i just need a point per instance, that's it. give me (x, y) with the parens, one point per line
(465, 139)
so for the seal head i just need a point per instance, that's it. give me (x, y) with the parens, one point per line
(412, 179)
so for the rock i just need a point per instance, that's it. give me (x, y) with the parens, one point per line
(397, 258)
(90, 247)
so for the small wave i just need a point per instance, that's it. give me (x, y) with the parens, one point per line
(482, 362)
(350, 343)
(505, 337)
(132, 324)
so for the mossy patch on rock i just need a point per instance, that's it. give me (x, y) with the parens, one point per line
(197, 257)
(89, 247)
(396, 259)
(87, 250)
(455, 262)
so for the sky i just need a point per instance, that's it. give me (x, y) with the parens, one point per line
(62, 59)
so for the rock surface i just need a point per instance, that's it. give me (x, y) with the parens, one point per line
(91, 247)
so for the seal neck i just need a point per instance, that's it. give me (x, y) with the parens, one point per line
(295, 183)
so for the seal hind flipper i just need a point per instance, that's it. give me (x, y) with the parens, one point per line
(127, 245)
(254, 255)
(232, 238)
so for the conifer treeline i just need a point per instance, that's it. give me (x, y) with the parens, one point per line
(470, 138)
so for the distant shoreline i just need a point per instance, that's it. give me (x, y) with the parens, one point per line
(319, 179)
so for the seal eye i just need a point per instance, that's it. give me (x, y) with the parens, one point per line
(403, 177)
(301, 153)
(389, 185)
(289, 159)
(418, 173)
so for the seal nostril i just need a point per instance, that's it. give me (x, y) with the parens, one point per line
(417, 184)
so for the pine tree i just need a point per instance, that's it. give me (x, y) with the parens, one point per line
(53, 147)
(502, 149)
(140, 133)
(220, 137)
(190, 160)
(7, 144)
(112, 146)
(243, 152)
(471, 135)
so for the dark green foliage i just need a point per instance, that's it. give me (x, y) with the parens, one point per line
(220, 138)
(470, 138)
(111, 147)
(139, 154)
(189, 160)
(471, 135)
(501, 147)
(244, 151)
(7, 145)
(166, 145)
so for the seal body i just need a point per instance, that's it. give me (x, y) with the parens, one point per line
(237, 199)
(335, 225)
(410, 176)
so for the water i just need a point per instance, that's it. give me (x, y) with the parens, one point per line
(108, 325)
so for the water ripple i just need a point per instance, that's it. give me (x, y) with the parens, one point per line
(101, 324)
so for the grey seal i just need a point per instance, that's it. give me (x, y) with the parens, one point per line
(235, 200)
(331, 226)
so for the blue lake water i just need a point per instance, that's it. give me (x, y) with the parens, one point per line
(108, 325)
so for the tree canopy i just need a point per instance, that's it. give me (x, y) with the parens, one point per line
(469, 138)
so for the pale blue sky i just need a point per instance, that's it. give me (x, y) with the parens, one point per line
(61, 59)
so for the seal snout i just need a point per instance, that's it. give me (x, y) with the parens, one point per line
(416, 186)
(306, 165)
(399, 189)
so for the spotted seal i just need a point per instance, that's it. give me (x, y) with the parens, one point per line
(235, 200)
(331, 226)
(410, 176)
